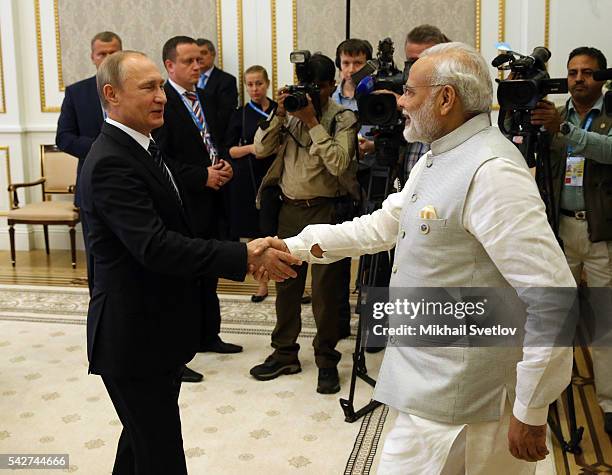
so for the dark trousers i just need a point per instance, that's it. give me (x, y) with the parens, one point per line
(327, 293)
(344, 318)
(211, 311)
(88, 256)
(151, 442)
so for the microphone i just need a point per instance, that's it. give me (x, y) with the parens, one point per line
(501, 59)
(368, 69)
(540, 55)
(602, 75)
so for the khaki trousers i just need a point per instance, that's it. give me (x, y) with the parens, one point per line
(327, 293)
(595, 258)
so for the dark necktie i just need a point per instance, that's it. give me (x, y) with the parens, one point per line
(158, 159)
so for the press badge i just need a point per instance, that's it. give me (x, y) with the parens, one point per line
(574, 171)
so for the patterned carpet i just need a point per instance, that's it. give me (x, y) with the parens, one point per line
(231, 423)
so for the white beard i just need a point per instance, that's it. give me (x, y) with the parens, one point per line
(421, 127)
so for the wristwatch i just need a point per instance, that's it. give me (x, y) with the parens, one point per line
(564, 128)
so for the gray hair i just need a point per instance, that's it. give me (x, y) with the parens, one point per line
(209, 45)
(462, 67)
(111, 71)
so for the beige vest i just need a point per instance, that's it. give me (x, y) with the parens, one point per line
(452, 384)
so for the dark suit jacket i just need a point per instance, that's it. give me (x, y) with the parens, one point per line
(80, 121)
(144, 315)
(221, 88)
(180, 139)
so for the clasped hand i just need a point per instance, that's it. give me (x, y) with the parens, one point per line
(269, 259)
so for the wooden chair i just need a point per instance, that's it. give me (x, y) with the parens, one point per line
(58, 176)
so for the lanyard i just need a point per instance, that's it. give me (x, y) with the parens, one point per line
(585, 126)
(253, 106)
(196, 121)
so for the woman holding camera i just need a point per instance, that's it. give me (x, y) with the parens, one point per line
(248, 169)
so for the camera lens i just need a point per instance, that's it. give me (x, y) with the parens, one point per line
(295, 101)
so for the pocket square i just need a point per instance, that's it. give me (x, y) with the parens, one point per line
(428, 212)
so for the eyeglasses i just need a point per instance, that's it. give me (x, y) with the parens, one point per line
(406, 88)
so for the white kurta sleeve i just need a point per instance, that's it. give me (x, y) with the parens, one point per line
(504, 211)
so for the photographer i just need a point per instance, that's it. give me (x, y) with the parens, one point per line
(581, 161)
(314, 166)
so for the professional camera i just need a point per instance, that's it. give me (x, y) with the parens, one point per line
(605, 75)
(517, 97)
(297, 98)
(377, 74)
(531, 82)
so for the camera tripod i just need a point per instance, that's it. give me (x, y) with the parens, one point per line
(374, 270)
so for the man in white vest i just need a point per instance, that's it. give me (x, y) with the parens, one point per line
(470, 215)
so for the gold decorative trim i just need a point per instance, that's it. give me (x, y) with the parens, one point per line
(547, 23)
(501, 27)
(41, 68)
(58, 47)
(219, 36)
(478, 26)
(274, 49)
(240, 48)
(295, 32)
(7, 155)
(2, 90)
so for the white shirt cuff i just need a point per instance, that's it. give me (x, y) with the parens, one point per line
(534, 416)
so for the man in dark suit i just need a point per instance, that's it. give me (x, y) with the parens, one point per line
(189, 136)
(81, 119)
(144, 317)
(217, 84)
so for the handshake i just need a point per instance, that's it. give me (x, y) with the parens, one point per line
(269, 259)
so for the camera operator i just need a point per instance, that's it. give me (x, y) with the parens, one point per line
(418, 40)
(581, 161)
(351, 56)
(315, 164)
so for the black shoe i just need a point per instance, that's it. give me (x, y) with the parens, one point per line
(272, 368)
(191, 376)
(306, 299)
(258, 298)
(219, 346)
(329, 382)
(374, 349)
(608, 422)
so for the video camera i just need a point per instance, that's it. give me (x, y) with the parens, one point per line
(521, 94)
(605, 75)
(297, 94)
(380, 73)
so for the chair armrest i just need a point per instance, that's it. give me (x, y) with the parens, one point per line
(13, 187)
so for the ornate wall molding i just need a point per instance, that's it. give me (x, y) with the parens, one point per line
(2, 89)
(274, 49)
(41, 68)
(294, 17)
(478, 28)
(547, 23)
(219, 36)
(240, 40)
(7, 156)
(58, 47)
